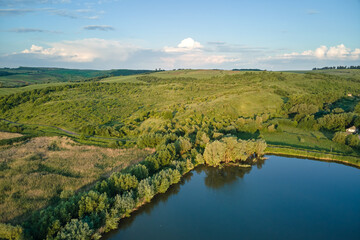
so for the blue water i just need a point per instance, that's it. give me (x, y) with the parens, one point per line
(282, 198)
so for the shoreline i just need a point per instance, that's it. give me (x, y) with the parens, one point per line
(312, 155)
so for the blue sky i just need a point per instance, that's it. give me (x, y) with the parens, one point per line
(106, 34)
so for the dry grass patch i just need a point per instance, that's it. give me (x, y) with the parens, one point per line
(34, 172)
(8, 135)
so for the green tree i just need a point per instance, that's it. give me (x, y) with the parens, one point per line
(92, 202)
(139, 171)
(75, 230)
(145, 190)
(214, 153)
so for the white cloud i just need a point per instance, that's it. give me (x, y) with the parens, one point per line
(192, 54)
(106, 54)
(86, 50)
(339, 52)
(186, 45)
(320, 52)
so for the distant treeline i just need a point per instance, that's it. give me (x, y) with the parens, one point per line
(126, 72)
(247, 69)
(338, 67)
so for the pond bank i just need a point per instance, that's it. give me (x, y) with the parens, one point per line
(302, 153)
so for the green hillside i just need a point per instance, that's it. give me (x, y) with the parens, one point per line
(126, 106)
(24, 76)
(80, 143)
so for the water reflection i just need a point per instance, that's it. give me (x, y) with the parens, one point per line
(215, 178)
(147, 208)
(218, 177)
(298, 208)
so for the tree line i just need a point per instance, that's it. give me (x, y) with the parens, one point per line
(338, 67)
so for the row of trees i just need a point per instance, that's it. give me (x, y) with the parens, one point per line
(231, 149)
(338, 67)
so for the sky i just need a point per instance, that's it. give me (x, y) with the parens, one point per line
(169, 34)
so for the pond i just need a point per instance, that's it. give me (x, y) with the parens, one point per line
(280, 198)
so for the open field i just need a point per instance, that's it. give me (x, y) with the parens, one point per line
(35, 172)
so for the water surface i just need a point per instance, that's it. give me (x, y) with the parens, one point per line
(281, 198)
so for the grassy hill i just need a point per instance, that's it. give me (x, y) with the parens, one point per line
(108, 122)
(126, 106)
(24, 76)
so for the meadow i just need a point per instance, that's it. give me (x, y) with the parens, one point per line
(37, 172)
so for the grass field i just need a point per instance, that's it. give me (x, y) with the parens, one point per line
(35, 172)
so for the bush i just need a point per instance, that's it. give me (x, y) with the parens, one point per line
(10, 232)
(353, 141)
(339, 137)
(139, 171)
(149, 140)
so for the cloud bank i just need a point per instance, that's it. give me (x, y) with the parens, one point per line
(188, 53)
(339, 52)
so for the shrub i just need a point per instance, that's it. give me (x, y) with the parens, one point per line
(10, 232)
(353, 141)
(139, 171)
(339, 137)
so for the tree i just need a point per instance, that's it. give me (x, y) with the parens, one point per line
(145, 190)
(260, 146)
(75, 230)
(139, 171)
(183, 145)
(92, 202)
(214, 153)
